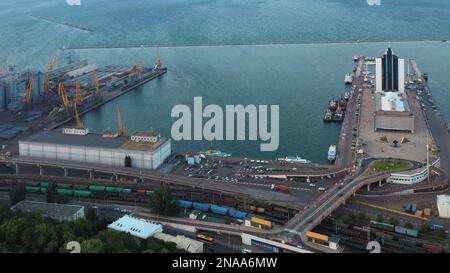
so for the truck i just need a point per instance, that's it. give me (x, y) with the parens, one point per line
(282, 188)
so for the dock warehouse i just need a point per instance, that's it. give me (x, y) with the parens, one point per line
(96, 148)
(393, 112)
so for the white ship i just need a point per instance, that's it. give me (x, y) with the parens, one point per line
(294, 159)
(374, 2)
(348, 79)
(332, 153)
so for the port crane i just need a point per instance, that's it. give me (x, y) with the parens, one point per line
(158, 62)
(121, 125)
(63, 94)
(96, 82)
(78, 96)
(50, 66)
(80, 124)
(29, 91)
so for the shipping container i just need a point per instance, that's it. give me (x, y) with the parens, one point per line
(427, 212)
(382, 225)
(408, 207)
(140, 192)
(413, 208)
(219, 209)
(419, 213)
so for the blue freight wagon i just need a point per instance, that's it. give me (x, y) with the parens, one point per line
(413, 208)
(408, 207)
(237, 213)
(436, 227)
(202, 206)
(185, 204)
(219, 209)
(406, 231)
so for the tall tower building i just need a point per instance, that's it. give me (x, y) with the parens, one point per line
(390, 73)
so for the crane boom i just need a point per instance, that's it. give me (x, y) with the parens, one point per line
(29, 91)
(121, 125)
(80, 124)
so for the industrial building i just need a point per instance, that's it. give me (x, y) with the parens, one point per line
(60, 212)
(443, 205)
(392, 110)
(137, 227)
(108, 149)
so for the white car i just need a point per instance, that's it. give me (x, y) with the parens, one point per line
(246, 250)
(312, 185)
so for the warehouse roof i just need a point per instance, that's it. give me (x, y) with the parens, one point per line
(137, 227)
(391, 101)
(89, 140)
(47, 209)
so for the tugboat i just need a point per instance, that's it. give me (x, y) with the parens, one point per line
(338, 115)
(212, 152)
(328, 116)
(332, 105)
(332, 153)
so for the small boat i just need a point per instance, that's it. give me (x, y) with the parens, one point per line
(332, 105)
(338, 115)
(346, 95)
(294, 159)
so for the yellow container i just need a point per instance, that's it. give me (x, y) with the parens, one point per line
(261, 222)
(317, 236)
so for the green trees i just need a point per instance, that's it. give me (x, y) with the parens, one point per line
(425, 229)
(163, 202)
(380, 218)
(408, 225)
(393, 221)
(92, 246)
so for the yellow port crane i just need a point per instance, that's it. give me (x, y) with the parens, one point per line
(138, 69)
(158, 61)
(78, 96)
(52, 62)
(29, 91)
(80, 124)
(122, 130)
(46, 84)
(63, 94)
(96, 82)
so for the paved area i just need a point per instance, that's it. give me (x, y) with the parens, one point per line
(415, 149)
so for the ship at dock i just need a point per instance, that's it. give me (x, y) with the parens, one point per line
(328, 116)
(348, 79)
(338, 115)
(332, 153)
(332, 105)
(213, 152)
(294, 159)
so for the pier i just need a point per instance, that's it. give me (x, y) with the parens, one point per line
(62, 23)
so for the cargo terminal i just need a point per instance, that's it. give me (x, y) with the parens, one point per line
(108, 148)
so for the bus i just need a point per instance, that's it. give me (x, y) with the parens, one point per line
(205, 238)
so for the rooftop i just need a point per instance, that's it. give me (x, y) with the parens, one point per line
(137, 227)
(49, 209)
(391, 101)
(89, 140)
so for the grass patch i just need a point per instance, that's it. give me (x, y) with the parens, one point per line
(386, 165)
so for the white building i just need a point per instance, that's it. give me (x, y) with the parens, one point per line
(443, 205)
(96, 148)
(137, 227)
(59, 212)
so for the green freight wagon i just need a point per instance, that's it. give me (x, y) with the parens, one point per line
(149, 192)
(45, 184)
(64, 192)
(64, 186)
(32, 183)
(44, 190)
(81, 193)
(114, 189)
(80, 187)
(96, 188)
(32, 189)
